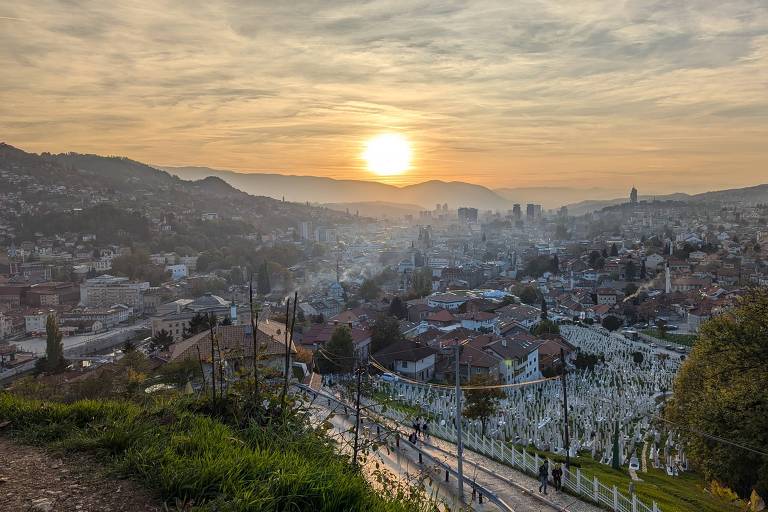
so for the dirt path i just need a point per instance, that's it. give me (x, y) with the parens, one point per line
(34, 480)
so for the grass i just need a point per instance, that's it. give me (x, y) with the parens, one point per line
(685, 493)
(409, 409)
(671, 337)
(187, 456)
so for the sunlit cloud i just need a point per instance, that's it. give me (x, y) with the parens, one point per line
(662, 94)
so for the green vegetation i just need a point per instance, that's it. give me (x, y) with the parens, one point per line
(384, 332)
(719, 393)
(198, 461)
(545, 327)
(684, 493)
(337, 356)
(676, 339)
(481, 404)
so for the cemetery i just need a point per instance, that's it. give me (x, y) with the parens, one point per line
(613, 419)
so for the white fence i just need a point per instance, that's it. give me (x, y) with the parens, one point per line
(578, 482)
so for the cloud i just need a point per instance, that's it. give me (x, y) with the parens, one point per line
(499, 93)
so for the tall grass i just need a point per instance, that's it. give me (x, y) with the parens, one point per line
(186, 456)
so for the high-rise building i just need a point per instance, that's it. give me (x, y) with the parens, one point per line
(305, 230)
(106, 290)
(633, 196)
(532, 211)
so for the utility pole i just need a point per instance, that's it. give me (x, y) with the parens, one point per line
(565, 412)
(254, 331)
(459, 444)
(285, 336)
(213, 363)
(359, 372)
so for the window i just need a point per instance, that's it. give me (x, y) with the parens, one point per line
(404, 364)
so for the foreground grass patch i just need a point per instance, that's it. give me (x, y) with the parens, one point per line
(190, 457)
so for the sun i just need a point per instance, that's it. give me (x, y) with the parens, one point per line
(388, 154)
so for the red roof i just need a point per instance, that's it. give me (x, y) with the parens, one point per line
(441, 316)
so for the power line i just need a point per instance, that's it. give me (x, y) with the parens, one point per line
(714, 437)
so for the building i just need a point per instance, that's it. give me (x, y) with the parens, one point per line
(106, 290)
(448, 301)
(305, 230)
(174, 317)
(633, 196)
(103, 317)
(34, 323)
(532, 212)
(178, 271)
(53, 294)
(412, 359)
(467, 215)
(517, 213)
(607, 296)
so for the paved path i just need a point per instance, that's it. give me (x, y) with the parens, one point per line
(517, 490)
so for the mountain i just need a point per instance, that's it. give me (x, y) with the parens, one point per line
(752, 195)
(377, 209)
(49, 185)
(554, 197)
(590, 205)
(328, 190)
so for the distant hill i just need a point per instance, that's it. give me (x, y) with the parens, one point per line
(750, 195)
(377, 209)
(62, 182)
(554, 197)
(583, 207)
(328, 190)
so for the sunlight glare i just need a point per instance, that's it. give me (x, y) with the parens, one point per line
(388, 154)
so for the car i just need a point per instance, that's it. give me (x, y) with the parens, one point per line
(672, 327)
(652, 345)
(681, 349)
(670, 347)
(389, 377)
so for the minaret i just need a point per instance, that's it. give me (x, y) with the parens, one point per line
(233, 311)
(667, 280)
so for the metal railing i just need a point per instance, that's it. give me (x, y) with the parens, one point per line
(578, 482)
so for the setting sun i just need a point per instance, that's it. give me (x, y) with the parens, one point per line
(388, 154)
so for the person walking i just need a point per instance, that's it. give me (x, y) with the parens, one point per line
(425, 429)
(543, 477)
(557, 477)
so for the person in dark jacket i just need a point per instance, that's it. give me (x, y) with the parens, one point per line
(557, 477)
(543, 476)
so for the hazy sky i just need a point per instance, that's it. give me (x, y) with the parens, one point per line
(668, 95)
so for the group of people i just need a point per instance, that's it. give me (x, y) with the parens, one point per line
(420, 429)
(557, 477)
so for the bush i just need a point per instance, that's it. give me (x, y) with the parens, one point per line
(189, 456)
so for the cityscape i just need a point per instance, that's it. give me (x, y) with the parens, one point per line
(363, 297)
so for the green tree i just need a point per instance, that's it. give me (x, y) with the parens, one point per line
(337, 356)
(615, 464)
(543, 309)
(397, 308)
(481, 404)
(528, 295)
(630, 271)
(720, 392)
(545, 327)
(161, 340)
(643, 270)
(369, 290)
(614, 250)
(384, 332)
(262, 280)
(421, 283)
(612, 322)
(555, 264)
(54, 348)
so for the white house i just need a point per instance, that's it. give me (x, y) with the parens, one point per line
(409, 358)
(179, 271)
(448, 301)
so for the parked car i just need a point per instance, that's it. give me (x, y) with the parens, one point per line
(389, 377)
(652, 345)
(670, 347)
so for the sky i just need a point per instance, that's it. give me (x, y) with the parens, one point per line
(665, 95)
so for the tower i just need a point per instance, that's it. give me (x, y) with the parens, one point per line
(667, 280)
(633, 195)
(233, 311)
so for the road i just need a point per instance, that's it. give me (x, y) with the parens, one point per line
(401, 458)
(77, 344)
(514, 490)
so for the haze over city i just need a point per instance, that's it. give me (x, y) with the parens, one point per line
(668, 95)
(384, 255)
